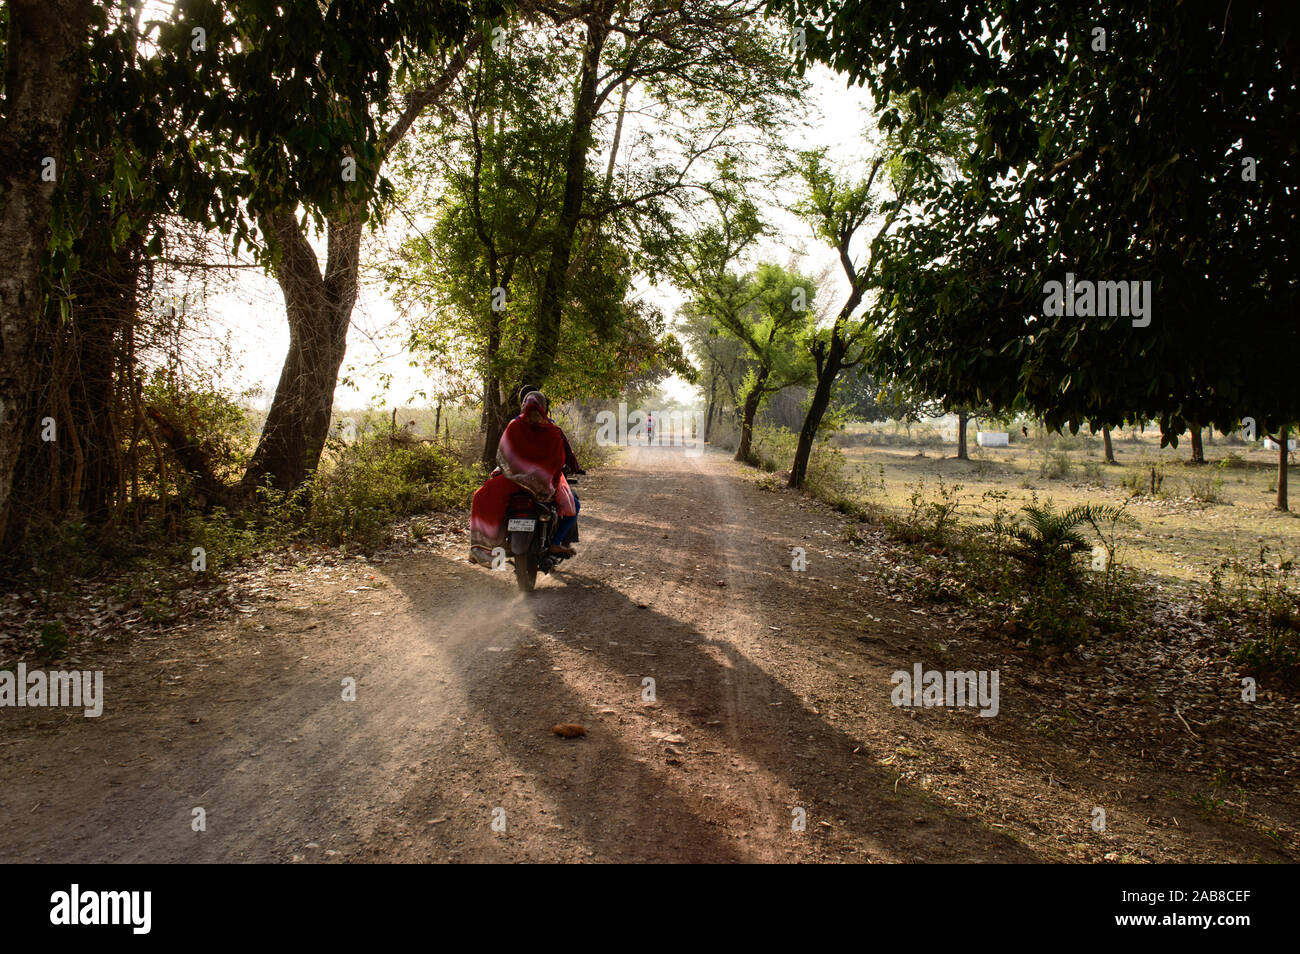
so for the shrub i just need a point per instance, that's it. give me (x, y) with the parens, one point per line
(1048, 542)
(929, 521)
(373, 481)
(53, 639)
(1056, 465)
(1256, 604)
(772, 448)
(1145, 481)
(1206, 488)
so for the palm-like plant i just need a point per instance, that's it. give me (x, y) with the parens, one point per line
(1047, 541)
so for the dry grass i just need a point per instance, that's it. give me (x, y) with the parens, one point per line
(1178, 534)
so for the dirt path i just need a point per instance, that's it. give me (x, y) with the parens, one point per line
(775, 683)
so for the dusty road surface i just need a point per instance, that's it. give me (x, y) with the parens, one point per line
(769, 734)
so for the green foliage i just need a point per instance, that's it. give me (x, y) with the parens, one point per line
(1023, 569)
(1256, 605)
(492, 177)
(773, 447)
(372, 482)
(929, 521)
(865, 396)
(1056, 465)
(1074, 165)
(760, 312)
(206, 411)
(53, 639)
(1048, 541)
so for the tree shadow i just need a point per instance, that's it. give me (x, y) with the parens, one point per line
(762, 729)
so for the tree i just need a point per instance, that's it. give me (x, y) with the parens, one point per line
(318, 303)
(491, 178)
(724, 365)
(1283, 452)
(222, 114)
(1085, 169)
(715, 66)
(836, 211)
(44, 64)
(765, 312)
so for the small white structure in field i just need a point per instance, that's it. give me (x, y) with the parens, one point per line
(1270, 444)
(993, 439)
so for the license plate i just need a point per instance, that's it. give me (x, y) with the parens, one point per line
(521, 524)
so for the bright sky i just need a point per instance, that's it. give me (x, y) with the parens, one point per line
(250, 311)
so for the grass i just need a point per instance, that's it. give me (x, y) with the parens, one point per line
(1199, 516)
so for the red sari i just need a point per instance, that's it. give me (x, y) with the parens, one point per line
(530, 456)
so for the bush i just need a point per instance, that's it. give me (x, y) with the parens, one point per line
(929, 521)
(833, 478)
(1027, 570)
(208, 413)
(772, 448)
(53, 639)
(1145, 481)
(1048, 542)
(1256, 605)
(1056, 465)
(582, 437)
(374, 481)
(1207, 486)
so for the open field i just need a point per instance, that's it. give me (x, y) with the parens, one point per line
(1199, 516)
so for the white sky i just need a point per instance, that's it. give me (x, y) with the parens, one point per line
(249, 313)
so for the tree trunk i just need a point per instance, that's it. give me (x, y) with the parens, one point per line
(44, 63)
(496, 415)
(821, 400)
(1281, 468)
(108, 307)
(1198, 448)
(752, 400)
(319, 309)
(963, 418)
(546, 331)
(708, 417)
(1106, 444)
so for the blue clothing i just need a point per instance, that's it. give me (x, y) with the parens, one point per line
(564, 525)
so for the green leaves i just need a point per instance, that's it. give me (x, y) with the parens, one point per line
(1108, 164)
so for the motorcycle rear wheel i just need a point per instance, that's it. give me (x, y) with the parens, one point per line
(526, 572)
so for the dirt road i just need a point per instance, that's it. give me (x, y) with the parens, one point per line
(770, 706)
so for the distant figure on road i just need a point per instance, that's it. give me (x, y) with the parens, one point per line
(650, 428)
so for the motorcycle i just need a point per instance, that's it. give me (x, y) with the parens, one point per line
(530, 525)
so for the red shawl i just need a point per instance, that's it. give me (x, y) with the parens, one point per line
(531, 456)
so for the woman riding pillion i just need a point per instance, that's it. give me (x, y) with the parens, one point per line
(534, 454)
